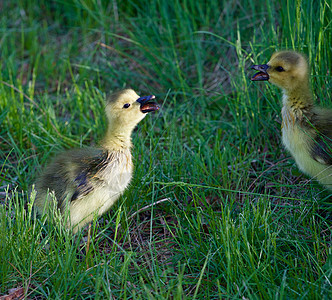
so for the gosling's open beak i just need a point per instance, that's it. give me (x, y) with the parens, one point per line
(147, 106)
(262, 74)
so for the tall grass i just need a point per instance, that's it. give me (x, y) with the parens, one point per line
(216, 209)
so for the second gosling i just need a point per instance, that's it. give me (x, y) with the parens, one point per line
(306, 128)
(88, 181)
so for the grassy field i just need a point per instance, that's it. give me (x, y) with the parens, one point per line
(217, 209)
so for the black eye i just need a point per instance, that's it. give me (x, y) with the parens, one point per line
(280, 69)
(126, 105)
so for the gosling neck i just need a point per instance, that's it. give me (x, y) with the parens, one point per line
(117, 138)
(298, 98)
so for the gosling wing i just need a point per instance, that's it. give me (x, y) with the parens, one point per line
(322, 148)
(87, 179)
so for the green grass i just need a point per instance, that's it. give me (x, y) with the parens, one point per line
(240, 221)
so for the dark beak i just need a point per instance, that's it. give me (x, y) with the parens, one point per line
(147, 106)
(262, 74)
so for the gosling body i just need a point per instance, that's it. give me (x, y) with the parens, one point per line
(84, 181)
(306, 128)
(87, 182)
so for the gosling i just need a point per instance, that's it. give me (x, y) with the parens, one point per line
(306, 128)
(88, 181)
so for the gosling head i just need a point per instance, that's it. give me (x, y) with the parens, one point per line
(125, 109)
(286, 69)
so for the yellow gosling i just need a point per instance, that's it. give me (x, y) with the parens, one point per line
(306, 128)
(88, 181)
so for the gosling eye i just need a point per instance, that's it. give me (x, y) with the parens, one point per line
(126, 105)
(280, 69)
